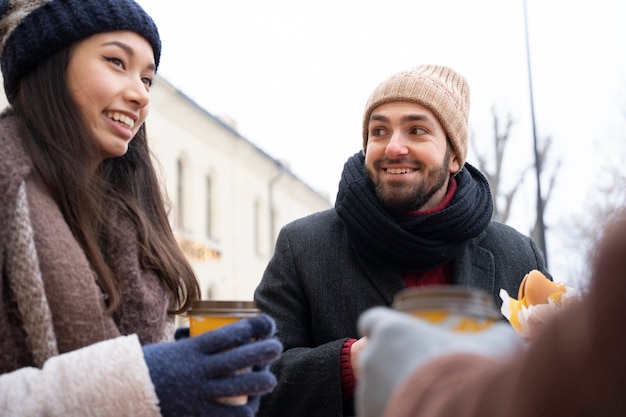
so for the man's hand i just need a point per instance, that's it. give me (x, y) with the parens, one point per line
(355, 352)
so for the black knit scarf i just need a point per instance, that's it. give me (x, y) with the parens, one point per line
(411, 243)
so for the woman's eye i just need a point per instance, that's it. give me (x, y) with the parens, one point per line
(115, 61)
(147, 81)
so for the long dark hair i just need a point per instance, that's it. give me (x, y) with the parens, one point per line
(63, 152)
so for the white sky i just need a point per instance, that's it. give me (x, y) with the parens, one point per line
(295, 76)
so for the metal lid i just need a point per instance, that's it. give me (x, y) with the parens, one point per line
(465, 301)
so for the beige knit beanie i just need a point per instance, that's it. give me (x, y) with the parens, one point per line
(442, 90)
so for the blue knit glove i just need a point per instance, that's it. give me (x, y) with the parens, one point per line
(190, 373)
(398, 344)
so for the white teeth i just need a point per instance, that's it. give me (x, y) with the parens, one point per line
(399, 170)
(121, 118)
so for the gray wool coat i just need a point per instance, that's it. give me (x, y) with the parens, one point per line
(316, 287)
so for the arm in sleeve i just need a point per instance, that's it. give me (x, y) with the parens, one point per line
(108, 378)
(309, 378)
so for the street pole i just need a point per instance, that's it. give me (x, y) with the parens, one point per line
(541, 235)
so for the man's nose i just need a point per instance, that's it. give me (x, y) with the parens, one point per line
(397, 145)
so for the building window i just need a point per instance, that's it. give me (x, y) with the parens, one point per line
(210, 292)
(209, 207)
(180, 194)
(257, 226)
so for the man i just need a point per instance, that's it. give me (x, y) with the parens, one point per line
(409, 212)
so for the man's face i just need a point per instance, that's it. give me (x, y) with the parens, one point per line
(407, 157)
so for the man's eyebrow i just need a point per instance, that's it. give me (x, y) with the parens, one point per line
(406, 118)
(416, 117)
(379, 118)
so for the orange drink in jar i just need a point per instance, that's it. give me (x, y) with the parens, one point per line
(454, 307)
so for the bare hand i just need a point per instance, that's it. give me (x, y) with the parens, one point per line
(355, 351)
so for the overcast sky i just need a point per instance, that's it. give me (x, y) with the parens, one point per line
(295, 76)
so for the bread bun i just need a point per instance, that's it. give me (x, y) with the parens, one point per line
(535, 288)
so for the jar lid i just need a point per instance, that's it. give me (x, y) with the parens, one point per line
(466, 301)
(222, 307)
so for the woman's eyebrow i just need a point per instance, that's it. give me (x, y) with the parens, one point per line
(130, 51)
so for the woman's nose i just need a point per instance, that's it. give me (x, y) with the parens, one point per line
(137, 93)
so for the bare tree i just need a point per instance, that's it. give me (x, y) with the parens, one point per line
(584, 231)
(503, 199)
(604, 200)
(502, 132)
(609, 198)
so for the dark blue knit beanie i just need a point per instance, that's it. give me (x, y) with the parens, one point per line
(32, 30)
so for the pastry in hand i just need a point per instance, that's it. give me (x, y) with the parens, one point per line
(537, 300)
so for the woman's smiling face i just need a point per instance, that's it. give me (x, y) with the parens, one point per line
(109, 76)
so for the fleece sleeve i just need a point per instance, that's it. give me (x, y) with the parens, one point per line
(109, 378)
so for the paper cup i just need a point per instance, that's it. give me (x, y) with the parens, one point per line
(207, 315)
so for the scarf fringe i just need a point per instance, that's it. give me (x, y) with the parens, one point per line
(27, 284)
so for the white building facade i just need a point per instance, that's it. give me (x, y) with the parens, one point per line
(228, 198)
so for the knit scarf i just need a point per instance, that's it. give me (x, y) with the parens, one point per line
(411, 243)
(49, 300)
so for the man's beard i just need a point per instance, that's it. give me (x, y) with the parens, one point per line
(404, 198)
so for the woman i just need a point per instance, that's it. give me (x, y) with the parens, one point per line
(91, 271)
